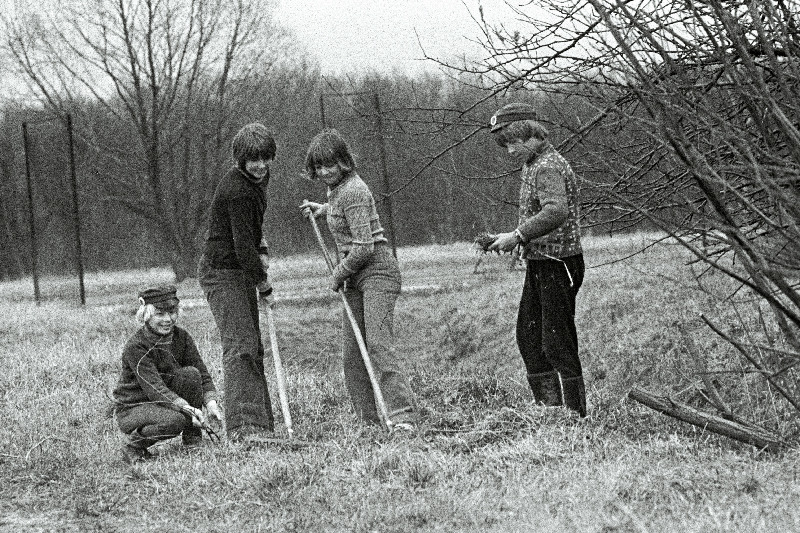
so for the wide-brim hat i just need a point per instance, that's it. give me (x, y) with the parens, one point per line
(162, 297)
(511, 113)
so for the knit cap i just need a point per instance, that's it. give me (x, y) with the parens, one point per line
(511, 113)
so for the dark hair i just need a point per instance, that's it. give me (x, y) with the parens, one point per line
(253, 142)
(328, 148)
(520, 130)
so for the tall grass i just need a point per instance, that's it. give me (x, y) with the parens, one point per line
(486, 459)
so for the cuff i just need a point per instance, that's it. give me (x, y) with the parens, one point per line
(209, 396)
(180, 403)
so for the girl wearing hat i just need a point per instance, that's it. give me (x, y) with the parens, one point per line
(369, 275)
(164, 383)
(233, 276)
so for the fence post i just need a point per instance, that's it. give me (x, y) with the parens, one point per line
(31, 220)
(76, 220)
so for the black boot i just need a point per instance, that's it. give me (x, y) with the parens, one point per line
(546, 388)
(575, 394)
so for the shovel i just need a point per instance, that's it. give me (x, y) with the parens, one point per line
(376, 388)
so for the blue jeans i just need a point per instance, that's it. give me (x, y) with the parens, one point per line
(371, 294)
(234, 304)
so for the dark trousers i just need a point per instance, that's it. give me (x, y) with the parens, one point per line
(234, 304)
(546, 333)
(148, 423)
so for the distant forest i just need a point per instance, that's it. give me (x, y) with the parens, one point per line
(435, 170)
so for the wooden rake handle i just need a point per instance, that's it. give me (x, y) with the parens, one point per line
(376, 388)
(280, 375)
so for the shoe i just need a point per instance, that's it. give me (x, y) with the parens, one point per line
(192, 440)
(134, 454)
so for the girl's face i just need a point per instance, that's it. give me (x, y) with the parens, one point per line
(257, 167)
(330, 175)
(163, 321)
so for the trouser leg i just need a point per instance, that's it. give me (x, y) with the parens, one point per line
(374, 311)
(546, 332)
(149, 423)
(234, 304)
(188, 384)
(356, 378)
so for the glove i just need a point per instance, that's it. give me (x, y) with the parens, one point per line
(213, 411)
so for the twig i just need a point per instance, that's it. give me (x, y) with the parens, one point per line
(28, 455)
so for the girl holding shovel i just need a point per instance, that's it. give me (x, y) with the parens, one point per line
(368, 274)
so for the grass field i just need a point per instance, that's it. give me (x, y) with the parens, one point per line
(486, 459)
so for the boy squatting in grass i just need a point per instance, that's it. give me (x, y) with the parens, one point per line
(164, 382)
(549, 235)
(233, 275)
(369, 275)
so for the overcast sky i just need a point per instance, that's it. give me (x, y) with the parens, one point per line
(385, 35)
(358, 35)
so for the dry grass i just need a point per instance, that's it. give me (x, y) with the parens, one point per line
(488, 460)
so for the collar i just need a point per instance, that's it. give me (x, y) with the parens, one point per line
(544, 147)
(252, 179)
(156, 338)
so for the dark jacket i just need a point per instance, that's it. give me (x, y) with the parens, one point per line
(148, 365)
(234, 237)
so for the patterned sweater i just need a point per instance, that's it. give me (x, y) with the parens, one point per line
(148, 364)
(549, 207)
(353, 221)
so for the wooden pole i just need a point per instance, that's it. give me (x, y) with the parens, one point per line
(387, 197)
(31, 219)
(322, 111)
(721, 426)
(76, 220)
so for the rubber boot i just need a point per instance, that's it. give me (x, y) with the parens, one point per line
(575, 394)
(546, 388)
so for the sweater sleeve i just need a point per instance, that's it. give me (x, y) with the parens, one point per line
(242, 213)
(357, 211)
(552, 192)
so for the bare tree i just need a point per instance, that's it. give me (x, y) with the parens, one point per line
(164, 74)
(701, 100)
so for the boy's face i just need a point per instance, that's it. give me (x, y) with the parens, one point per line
(162, 321)
(522, 150)
(257, 167)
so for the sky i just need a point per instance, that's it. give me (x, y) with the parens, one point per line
(364, 35)
(386, 35)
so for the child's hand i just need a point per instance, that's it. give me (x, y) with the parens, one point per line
(195, 414)
(504, 242)
(335, 284)
(314, 209)
(213, 411)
